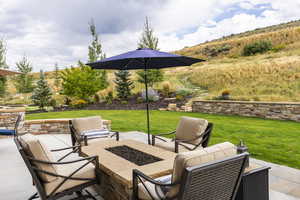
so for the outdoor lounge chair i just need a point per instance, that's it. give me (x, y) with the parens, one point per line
(211, 173)
(55, 179)
(90, 129)
(191, 134)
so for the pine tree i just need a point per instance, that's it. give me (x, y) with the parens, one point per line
(96, 53)
(148, 40)
(24, 81)
(3, 65)
(42, 94)
(123, 84)
(57, 78)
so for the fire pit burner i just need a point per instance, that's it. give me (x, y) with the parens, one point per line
(135, 156)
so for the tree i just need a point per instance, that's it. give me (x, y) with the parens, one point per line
(42, 93)
(81, 82)
(57, 78)
(148, 40)
(3, 65)
(153, 76)
(95, 51)
(24, 81)
(123, 84)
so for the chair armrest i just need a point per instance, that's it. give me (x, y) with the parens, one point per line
(66, 148)
(158, 136)
(137, 174)
(62, 163)
(164, 134)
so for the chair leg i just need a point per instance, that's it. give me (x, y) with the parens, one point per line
(34, 196)
(90, 195)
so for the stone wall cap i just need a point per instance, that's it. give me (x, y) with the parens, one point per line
(248, 102)
(59, 120)
(11, 110)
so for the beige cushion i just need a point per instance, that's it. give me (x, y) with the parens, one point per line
(189, 128)
(39, 151)
(170, 145)
(87, 123)
(95, 140)
(86, 172)
(144, 194)
(193, 158)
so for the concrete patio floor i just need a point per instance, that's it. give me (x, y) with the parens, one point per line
(16, 183)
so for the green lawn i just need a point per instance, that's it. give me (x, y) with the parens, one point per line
(269, 140)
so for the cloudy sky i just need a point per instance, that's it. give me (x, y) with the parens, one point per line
(56, 31)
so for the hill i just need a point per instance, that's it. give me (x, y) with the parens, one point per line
(270, 76)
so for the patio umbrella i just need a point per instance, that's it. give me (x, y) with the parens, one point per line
(144, 58)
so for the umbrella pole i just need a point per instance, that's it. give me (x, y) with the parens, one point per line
(147, 105)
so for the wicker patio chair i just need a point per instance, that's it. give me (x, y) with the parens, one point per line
(89, 129)
(55, 179)
(202, 175)
(191, 134)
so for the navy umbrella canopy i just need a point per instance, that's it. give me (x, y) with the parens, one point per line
(144, 59)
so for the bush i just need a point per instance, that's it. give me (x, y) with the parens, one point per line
(140, 100)
(96, 98)
(181, 94)
(78, 103)
(257, 47)
(124, 102)
(53, 103)
(225, 93)
(110, 97)
(166, 88)
(278, 47)
(184, 93)
(152, 95)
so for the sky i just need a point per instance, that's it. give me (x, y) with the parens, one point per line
(57, 31)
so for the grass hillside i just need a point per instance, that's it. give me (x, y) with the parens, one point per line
(270, 76)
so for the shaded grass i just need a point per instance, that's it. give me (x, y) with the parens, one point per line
(269, 140)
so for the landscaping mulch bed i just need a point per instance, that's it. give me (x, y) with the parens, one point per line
(131, 104)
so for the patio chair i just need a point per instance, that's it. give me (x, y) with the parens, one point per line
(191, 134)
(211, 173)
(90, 129)
(55, 179)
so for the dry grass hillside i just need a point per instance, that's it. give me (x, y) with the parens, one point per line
(271, 76)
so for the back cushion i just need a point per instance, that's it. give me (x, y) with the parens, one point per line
(39, 151)
(189, 128)
(87, 123)
(193, 158)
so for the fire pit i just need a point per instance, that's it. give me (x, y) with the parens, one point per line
(118, 159)
(135, 156)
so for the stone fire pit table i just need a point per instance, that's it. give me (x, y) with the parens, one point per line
(117, 159)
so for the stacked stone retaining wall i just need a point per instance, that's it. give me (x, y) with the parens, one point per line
(268, 110)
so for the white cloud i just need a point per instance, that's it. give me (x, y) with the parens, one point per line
(55, 31)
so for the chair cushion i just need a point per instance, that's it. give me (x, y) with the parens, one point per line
(86, 172)
(96, 133)
(170, 145)
(87, 123)
(198, 157)
(95, 140)
(144, 194)
(36, 148)
(7, 132)
(189, 128)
